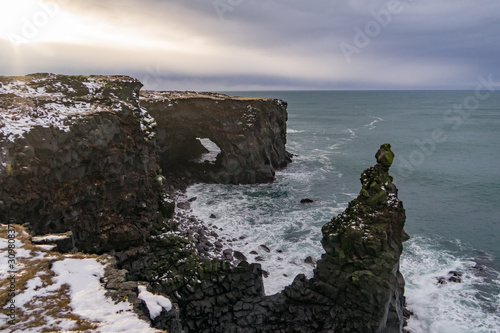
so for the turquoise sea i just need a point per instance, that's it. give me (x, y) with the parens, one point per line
(447, 170)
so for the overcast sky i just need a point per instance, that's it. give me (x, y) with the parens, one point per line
(257, 44)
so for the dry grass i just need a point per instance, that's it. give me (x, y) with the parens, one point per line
(48, 309)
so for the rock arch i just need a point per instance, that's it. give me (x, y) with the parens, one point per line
(251, 134)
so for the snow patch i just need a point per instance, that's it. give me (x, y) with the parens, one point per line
(88, 298)
(155, 303)
(84, 291)
(49, 238)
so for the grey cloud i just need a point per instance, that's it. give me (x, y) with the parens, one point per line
(289, 43)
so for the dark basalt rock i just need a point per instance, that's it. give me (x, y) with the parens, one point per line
(356, 287)
(265, 248)
(76, 155)
(184, 205)
(442, 280)
(250, 133)
(90, 166)
(309, 260)
(363, 246)
(305, 201)
(453, 276)
(240, 256)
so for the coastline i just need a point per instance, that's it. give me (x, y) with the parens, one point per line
(122, 147)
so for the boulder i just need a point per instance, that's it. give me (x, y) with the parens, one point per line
(265, 248)
(384, 155)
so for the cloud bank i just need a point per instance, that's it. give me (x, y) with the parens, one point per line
(250, 44)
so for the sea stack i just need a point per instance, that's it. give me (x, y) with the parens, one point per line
(83, 156)
(357, 285)
(363, 245)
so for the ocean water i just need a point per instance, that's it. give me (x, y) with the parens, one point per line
(447, 169)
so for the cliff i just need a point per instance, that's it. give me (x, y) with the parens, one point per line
(88, 156)
(82, 154)
(75, 156)
(356, 287)
(250, 135)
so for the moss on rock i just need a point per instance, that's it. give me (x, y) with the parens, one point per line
(384, 155)
(363, 245)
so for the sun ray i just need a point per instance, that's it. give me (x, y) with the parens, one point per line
(41, 21)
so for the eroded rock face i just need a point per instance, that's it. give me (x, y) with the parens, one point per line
(360, 268)
(356, 287)
(79, 155)
(251, 135)
(75, 156)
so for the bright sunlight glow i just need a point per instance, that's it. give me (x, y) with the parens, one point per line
(29, 21)
(35, 21)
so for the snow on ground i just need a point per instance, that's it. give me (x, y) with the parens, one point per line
(155, 303)
(62, 293)
(31, 107)
(48, 238)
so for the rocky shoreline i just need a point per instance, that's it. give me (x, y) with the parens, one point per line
(105, 164)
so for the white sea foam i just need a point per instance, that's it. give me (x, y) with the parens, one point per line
(451, 307)
(350, 132)
(266, 215)
(371, 125)
(292, 131)
(332, 144)
(346, 136)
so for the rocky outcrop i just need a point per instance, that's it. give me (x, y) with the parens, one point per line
(356, 287)
(82, 156)
(250, 134)
(75, 156)
(360, 269)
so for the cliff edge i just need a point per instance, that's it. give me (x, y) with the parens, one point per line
(88, 155)
(357, 285)
(76, 156)
(248, 136)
